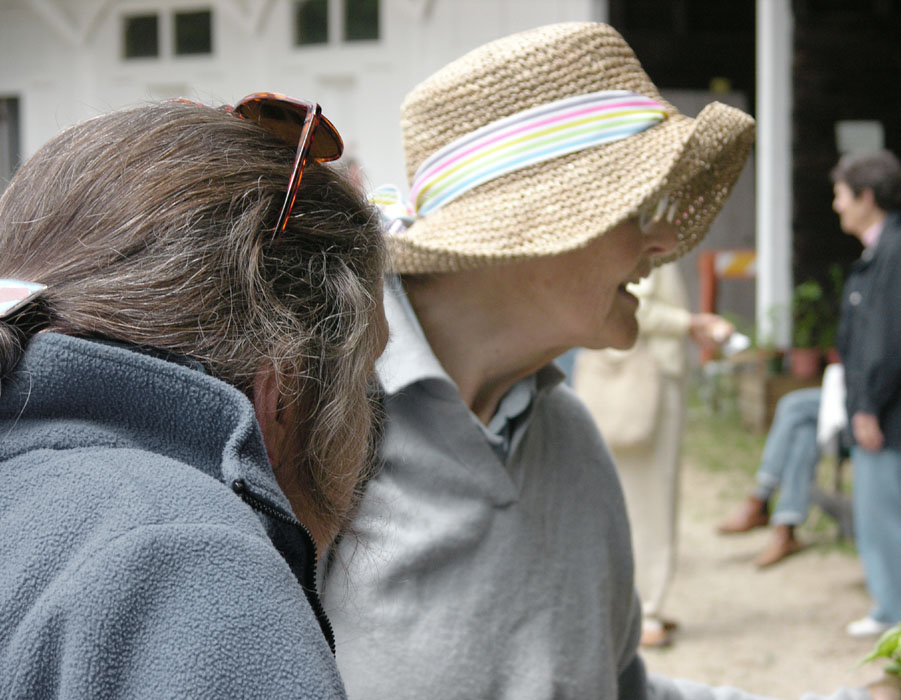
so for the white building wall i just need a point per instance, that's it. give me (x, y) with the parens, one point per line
(62, 59)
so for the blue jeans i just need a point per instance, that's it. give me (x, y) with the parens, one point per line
(877, 528)
(790, 456)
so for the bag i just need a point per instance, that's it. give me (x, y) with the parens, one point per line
(622, 390)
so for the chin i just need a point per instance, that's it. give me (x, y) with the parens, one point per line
(622, 339)
(625, 344)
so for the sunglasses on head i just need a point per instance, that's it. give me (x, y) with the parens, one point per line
(294, 122)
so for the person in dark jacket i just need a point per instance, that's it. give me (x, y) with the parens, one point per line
(868, 202)
(186, 408)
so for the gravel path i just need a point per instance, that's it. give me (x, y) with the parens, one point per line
(777, 632)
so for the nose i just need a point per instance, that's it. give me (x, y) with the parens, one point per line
(661, 238)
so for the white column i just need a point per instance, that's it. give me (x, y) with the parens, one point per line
(774, 187)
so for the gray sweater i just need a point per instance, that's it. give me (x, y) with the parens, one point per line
(471, 577)
(131, 562)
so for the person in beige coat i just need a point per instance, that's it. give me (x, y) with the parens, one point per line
(637, 398)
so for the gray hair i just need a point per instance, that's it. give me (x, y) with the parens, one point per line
(153, 226)
(878, 171)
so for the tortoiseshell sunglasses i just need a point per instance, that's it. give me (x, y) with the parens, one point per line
(294, 122)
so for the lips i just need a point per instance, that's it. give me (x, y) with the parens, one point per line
(639, 275)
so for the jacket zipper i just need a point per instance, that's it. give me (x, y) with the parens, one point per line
(239, 486)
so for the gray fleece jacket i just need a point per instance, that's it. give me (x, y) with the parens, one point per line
(145, 547)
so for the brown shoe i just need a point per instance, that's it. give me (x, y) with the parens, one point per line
(782, 544)
(752, 513)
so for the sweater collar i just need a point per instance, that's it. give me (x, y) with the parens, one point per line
(109, 393)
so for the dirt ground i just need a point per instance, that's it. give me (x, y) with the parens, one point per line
(777, 632)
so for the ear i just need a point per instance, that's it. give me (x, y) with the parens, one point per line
(868, 197)
(266, 406)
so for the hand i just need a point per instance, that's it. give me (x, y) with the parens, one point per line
(709, 330)
(867, 432)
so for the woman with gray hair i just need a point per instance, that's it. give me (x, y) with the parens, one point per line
(867, 188)
(187, 343)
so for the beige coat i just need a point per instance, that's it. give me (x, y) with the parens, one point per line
(637, 398)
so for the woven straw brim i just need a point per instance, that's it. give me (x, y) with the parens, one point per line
(563, 204)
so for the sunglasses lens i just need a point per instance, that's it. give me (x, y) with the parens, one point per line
(285, 124)
(285, 121)
(327, 144)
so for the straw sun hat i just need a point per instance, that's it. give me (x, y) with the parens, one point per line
(563, 203)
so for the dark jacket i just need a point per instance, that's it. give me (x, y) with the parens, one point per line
(869, 338)
(145, 547)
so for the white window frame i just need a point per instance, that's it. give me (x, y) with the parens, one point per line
(336, 27)
(166, 25)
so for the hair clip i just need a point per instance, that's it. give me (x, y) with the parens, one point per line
(14, 294)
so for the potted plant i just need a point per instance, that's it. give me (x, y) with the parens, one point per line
(815, 311)
(807, 304)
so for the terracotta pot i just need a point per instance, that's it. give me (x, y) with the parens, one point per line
(805, 362)
(832, 356)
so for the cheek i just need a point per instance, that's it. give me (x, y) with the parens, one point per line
(614, 322)
(596, 306)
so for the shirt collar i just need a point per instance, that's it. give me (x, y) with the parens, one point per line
(513, 404)
(870, 237)
(407, 358)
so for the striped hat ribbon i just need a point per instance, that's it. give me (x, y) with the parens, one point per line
(518, 141)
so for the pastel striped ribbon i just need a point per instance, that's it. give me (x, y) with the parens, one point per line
(395, 209)
(515, 142)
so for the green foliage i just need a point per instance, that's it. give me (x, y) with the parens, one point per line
(815, 310)
(806, 305)
(888, 647)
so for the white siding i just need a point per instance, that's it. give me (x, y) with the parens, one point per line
(62, 59)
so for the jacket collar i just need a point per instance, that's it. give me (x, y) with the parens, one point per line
(70, 392)
(117, 394)
(891, 226)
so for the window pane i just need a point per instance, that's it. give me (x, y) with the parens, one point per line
(361, 20)
(193, 32)
(141, 36)
(311, 22)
